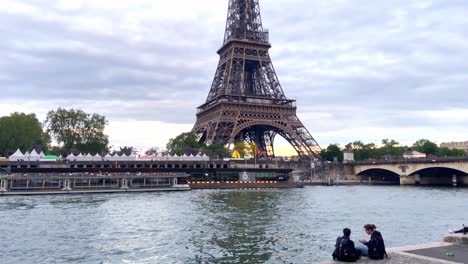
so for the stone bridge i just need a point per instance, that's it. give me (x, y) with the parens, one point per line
(437, 171)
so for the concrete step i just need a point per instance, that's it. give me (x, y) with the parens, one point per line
(457, 239)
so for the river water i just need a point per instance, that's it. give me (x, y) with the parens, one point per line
(212, 226)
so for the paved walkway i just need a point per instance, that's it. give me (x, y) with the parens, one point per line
(434, 253)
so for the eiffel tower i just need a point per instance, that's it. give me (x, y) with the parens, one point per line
(246, 101)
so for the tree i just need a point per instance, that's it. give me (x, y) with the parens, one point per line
(389, 143)
(152, 151)
(364, 151)
(446, 152)
(426, 146)
(21, 131)
(391, 148)
(333, 151)
(252, 149)
(127, 151)
(186, 141)
(242, 148)
(216, 150)
(77, 129)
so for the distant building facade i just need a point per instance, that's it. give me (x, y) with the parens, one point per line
(456, 145)
(348, 156)
(413, 154)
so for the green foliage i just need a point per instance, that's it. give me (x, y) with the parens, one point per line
(184, 141)
(426, 146)
(391, 148)
(21, 131)
(242, 148)
(216, 151)
(76, 129)
(446, 152)
(364, 151)
(187, 143)
(333, 151)
(246, 149)
(431, 148)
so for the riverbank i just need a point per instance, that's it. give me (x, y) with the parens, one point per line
(57, 192)
(432, 253)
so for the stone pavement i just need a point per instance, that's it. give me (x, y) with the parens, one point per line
(459, 253)
(433, 253)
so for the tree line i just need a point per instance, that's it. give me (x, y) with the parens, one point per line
(73, 130)
(389, 149)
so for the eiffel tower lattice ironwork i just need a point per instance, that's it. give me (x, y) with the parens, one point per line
(246, 101)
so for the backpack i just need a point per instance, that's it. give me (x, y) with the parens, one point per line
(377, 248)
(345, 251)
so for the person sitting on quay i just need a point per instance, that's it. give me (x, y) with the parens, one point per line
(464, 230)
(375, 247)
(344, 248)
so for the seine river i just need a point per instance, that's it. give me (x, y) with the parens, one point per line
(232, 226)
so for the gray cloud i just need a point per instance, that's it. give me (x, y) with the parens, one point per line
(348, 63)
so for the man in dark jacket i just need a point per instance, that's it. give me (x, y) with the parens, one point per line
(344, 248)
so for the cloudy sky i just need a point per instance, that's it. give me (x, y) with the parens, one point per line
(360, 69)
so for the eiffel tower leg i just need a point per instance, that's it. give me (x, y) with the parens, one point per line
(269, 143)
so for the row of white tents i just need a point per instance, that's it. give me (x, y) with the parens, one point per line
(133, 157)
(31, 156)
(35, 156)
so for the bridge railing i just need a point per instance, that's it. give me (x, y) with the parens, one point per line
(416, 160)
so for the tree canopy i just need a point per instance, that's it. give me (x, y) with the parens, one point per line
(187, 143)
(76, 129)
(389, 149)
(183, 143)
(23, 131)
(331, 152)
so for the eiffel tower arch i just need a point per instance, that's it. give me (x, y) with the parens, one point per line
(246, 101)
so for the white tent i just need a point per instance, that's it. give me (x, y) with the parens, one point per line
(80, 157)
(116, 157)
(196, 157)
(191, 157)
(97, 157)
(108, 157)
(18, 155)
(132, 156)
(34, 156)
(159, 157)
(173, 157)
(122, 157)
(73, 157)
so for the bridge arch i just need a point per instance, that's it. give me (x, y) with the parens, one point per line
(454, 166)
(359, 169)
(379, 174)
(439, 175)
